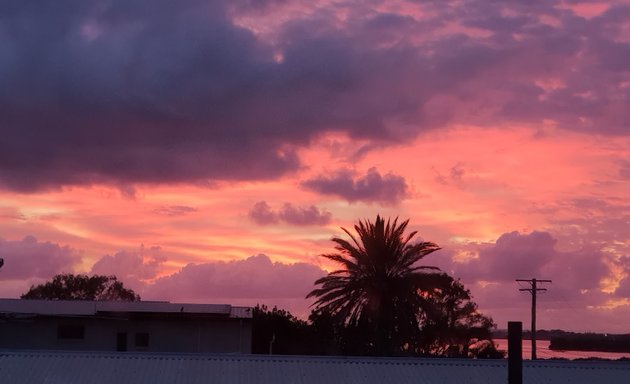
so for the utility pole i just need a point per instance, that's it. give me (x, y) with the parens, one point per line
(533, 290)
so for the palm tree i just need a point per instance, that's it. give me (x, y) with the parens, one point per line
(379, 285)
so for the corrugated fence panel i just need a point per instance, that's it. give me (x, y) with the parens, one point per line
(120, 368)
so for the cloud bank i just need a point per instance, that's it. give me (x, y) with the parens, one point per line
(262, 214)
(255, 278)
(132, 268)
(32, 259)
(371, 188)
(190, 91)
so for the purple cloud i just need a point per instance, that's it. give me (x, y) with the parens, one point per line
(523, 256)
(30, 258)
(373, 187)
(518, 256)
(304, 215)
(256, 278)
(623, 290)
(262, 214)
(491, 276)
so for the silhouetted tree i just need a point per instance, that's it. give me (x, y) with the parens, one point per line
(277, 331)
(452, 324)
(376, 293)
(82, 287)
(382, 302)
(341, 338)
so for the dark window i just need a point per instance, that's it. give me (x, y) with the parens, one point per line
(142, 339)
(121, 341)
(70, 332)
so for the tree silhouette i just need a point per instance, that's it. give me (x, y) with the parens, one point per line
(277, 331)
(382, 302)
(451, 325)
(376, 293)
(82, 287)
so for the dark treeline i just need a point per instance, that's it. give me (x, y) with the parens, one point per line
(591, 342)
(68, 286)
(560, 340)
(541, 334)
(277, 331)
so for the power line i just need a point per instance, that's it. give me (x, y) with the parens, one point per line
(534, 291)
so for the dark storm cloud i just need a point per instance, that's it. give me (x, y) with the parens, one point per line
(167, 92)
(136, 92)
(372, 187)
(263, 214)
(162, 91)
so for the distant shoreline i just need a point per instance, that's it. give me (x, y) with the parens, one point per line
(545, 353)
(592, 342)
(572, 341)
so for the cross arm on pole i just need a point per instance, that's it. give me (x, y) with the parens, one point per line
(533, 290)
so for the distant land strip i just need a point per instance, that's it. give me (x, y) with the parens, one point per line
(573, 341)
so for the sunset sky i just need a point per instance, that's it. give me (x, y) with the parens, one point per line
(208, 151)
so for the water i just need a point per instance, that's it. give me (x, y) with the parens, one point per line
(543, 351)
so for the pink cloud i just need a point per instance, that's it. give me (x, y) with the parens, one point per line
(174, 210)
(262, 214)
(256, 278)
(132, 268)
(29, 258)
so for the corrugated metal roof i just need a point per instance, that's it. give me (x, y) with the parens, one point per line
(85, 308)
(161, 307)
(101, 368)
(47, 307)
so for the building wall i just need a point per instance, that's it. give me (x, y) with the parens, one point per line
(163, 334)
